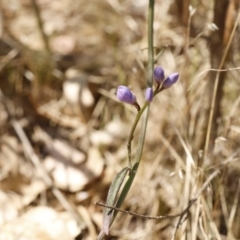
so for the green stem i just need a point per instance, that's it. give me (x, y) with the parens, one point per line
(133, 171)
(150, 43)
(131, 135)
(135, 123)
(149, 84)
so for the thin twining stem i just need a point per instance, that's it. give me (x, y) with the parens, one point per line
(186, 210)
(130, 138)
(135, 123)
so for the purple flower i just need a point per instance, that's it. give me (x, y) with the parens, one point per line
(169, 81)
(149, 94)
(158, 74)
(125, 95)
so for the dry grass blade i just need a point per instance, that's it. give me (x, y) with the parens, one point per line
(173, 151)
(215, 88)
(66, 116)
(212, 229)
(233, 212)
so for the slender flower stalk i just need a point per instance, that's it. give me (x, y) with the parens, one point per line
(130, 138)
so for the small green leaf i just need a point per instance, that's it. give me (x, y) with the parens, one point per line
(111, 199)
(127, 185)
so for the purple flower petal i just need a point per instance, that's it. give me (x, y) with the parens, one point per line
(149, 95)
(169, 81)
(124, 94)
(158, 74)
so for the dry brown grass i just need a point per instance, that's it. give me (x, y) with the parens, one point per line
(106, 41)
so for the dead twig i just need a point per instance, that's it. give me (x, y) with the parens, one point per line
(147, 216)
(181, 215)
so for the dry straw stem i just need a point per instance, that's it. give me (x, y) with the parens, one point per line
(209, 70)
(187, 185)
(223, 204)
(196, 220)
(32, 156)
(233, 212)
(210, 225)
(209, 127)
(172, 151)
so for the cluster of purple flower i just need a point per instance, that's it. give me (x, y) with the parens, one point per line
(124, 94)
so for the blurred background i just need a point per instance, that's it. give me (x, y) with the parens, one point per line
(64, 133)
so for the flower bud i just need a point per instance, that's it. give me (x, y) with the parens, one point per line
(169, 81)
(158, 74)
(124, 94)
(149, 95)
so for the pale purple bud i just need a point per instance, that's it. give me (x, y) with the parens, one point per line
(149, 94)
(158, 74)
(169, 81)
(124, 94)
